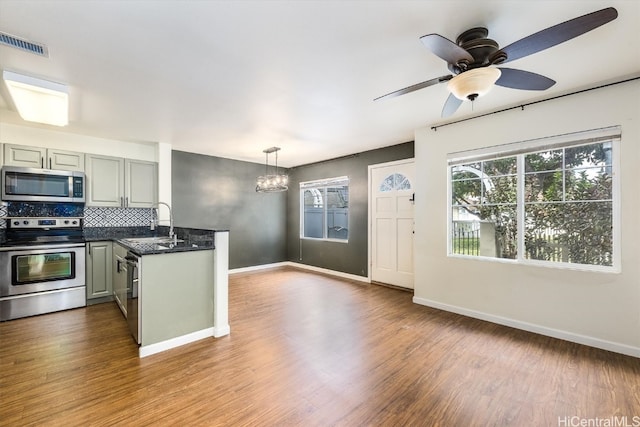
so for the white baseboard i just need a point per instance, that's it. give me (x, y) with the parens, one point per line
(301, 266)
(258, 267)
(330, 272)
(220, 331)
(530, 327)
(150, 349)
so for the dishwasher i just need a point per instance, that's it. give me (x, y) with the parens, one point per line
(133, 290)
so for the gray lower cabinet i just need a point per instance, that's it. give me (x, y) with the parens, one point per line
(99, 270)
(120, 277)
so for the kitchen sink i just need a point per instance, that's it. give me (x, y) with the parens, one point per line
(151, 240)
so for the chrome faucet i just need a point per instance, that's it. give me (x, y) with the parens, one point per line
(171, 233)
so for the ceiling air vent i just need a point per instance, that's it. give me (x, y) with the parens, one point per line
(23, 44)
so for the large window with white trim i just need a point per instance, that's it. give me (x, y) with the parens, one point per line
(551, 202)
(324, 209)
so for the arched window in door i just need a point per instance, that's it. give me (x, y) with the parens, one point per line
(395, 181)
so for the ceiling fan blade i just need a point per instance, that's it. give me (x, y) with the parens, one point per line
(415, 87)
(526, 80)
(445, 49)
(558, 34)
(451, 105)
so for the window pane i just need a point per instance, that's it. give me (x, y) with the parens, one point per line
(543, 161)
(492, 232)
(588, 184)
(402, 182)
(579, 233)
(505, 166)
(543, 187)
(338, 212)
(466, 192)
(387, 184)
(500, 190)
(588, 155)
(313, 219)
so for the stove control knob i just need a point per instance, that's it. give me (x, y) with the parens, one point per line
(66, 221)
(25, 222)
(16, 222)
(74, 222)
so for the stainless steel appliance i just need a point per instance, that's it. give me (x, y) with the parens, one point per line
(42, 185)
(42, 267)
(133, 291)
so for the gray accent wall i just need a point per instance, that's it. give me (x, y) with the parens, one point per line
(212, 192)
(351, 257)
(217, 193)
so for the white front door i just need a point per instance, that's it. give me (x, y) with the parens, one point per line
(392, 190)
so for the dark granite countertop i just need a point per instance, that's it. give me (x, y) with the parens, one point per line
(190, 239)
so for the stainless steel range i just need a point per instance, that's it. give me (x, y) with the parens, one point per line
(42, 266)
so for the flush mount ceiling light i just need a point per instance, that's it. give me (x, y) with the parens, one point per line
(473, 83)
(38, 100)
(272, 183)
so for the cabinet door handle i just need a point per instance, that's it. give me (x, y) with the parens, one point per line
(49, 162)
(122, 202)
(126, 202)
(42, 162)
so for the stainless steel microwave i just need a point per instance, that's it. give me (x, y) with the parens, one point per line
(42, 185)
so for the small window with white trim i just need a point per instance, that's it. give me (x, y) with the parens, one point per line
(550, 202)
(324, 209)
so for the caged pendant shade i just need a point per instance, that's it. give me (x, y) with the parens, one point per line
(272, 183)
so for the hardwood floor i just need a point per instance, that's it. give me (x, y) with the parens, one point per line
(310, 350)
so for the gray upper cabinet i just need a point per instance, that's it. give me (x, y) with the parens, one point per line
(105, 181)
(65, 160)
(141, 181)
(42, 158)
(116, 182)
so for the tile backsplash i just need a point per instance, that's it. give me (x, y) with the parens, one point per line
(3, 213)
(93, 216)
(117, 217)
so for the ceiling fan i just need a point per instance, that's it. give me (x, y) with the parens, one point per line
(472, 57)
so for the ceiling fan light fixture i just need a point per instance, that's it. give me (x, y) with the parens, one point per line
(473, 83)
(38, 100)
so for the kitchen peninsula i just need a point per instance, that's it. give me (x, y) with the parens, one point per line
(182, 285)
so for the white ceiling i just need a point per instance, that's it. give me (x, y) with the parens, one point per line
(231, 78)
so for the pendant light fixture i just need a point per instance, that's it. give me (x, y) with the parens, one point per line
(272, 183)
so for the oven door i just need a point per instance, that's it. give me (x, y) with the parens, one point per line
(30, 269)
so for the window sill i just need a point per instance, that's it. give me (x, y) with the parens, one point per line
(544, 264)
(319, 239)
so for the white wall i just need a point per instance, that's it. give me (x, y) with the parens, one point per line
(38, 137)
(599, 309)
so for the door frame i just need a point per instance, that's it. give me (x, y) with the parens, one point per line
(370, 211)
